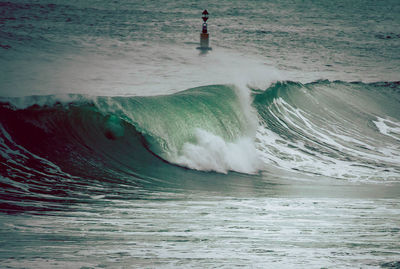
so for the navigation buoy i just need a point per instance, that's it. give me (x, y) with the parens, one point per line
(204, 36)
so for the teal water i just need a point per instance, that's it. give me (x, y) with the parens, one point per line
(122, 146)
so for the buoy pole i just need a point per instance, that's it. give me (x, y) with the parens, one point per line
(204, 37)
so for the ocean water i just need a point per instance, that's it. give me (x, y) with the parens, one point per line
(122, 146)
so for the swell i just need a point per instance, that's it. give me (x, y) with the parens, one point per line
(336, 129)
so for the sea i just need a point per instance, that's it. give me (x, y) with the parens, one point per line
(124, 146)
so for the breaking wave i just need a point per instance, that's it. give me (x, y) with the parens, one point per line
(340, 130)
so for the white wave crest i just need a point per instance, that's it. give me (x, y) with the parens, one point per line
(388, 128)
(210, 152)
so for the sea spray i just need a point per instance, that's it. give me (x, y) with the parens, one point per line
(210, 152)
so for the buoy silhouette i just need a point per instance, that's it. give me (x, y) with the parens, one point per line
(204, 36)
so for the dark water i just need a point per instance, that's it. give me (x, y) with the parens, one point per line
(122, 146)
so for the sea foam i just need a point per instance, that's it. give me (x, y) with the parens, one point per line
(210, 152)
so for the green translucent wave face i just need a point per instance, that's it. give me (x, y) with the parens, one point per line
(168, 122)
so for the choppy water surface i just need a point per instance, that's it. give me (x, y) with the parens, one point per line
(207, 230)
(123, 146)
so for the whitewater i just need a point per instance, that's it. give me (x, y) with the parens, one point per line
(121, 145)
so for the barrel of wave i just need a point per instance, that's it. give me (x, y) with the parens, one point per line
(207, 128)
